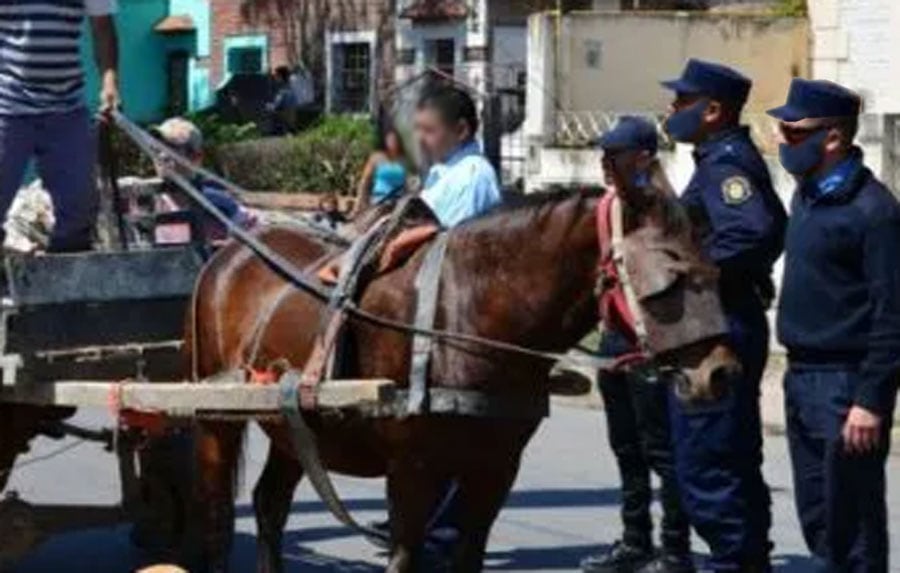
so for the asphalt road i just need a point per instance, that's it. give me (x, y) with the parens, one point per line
(563, 508)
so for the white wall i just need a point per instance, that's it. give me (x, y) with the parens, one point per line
(857, 43)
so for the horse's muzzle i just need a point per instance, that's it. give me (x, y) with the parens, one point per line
(710, 378)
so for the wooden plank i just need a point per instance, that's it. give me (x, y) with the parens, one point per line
(180, 398)
(103, 276)
(290, 201)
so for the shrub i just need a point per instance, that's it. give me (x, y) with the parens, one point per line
(326, 158)
(793, 8)
(216, 133)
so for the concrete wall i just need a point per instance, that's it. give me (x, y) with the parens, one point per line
(856, 43)
(613, 61)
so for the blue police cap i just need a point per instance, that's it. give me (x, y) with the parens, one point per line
(810, 99)
(630, 132)
(711, 79)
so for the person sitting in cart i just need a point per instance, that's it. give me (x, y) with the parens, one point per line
(42, 109)
(186, 139)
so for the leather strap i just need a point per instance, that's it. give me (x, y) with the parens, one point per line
(307, 450)
(618, 253)
(615, 291)
(428, 281)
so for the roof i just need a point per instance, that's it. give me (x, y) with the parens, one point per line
(175, 24)
(436, 10)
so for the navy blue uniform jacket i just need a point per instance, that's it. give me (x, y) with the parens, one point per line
(840, 305)
(741, 219)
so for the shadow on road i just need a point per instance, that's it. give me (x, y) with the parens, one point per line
(297, 559)
(522, 499)
(540, 558)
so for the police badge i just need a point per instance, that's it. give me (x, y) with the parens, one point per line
(736, 190)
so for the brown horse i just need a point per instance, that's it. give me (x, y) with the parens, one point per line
(524, 274)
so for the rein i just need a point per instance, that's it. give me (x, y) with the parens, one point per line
(301, 279)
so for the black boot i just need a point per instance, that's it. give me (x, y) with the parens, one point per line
(621, 558)
(668, 562)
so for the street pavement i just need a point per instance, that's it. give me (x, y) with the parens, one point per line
(564, 507)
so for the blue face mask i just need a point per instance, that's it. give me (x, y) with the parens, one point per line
(641, 180)
(684, 124)
(801, 158)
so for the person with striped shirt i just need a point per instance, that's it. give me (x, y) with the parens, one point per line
(43, 115)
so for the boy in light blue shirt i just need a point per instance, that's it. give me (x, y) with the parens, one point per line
(461, 184)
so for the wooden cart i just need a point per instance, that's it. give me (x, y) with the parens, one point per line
(105, 329)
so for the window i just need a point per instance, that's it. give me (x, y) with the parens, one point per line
(245, 60)
(245, 55)
(441, 54)
(351, 72)
(178, 68)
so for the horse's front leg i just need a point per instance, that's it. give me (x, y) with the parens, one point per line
(218, 457)
(413, 492)
(483, 489)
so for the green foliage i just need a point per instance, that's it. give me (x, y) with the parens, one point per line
(328, 157)
(792, 8)
(217, 132)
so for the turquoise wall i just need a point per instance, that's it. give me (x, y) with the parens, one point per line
(143, 57)
(200, 94)
(142, 60)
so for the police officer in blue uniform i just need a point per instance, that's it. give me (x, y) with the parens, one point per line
(741, 223)
(636, 399)
(839, 319)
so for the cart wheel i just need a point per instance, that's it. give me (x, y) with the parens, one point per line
(18, 426)
(19, 530)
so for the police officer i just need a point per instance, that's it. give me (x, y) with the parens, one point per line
(741, 223)
(635, 401)
(839, 318)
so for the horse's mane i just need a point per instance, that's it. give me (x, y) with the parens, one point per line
(528, 209)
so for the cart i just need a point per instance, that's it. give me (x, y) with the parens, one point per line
(105, 329)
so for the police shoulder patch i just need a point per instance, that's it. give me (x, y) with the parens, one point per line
(736, 190)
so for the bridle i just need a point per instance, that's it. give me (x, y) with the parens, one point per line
(619, 306)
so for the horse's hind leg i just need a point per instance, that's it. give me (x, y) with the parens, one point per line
(272, 499)
(218, 459)
(413, 494)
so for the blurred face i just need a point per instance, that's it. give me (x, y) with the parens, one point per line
(329, 204)
(392, 144)
(164, 165)
(622, 171)
(437, 137)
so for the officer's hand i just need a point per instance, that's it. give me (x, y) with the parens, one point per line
(862, 431)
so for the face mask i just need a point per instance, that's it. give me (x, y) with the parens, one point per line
(684, 124)
(801, 158)
(641, 180)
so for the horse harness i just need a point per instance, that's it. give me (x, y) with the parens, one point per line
(618, 303)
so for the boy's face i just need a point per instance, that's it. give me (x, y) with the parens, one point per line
(436, 136)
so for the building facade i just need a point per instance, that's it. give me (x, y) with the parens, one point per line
(163, 60)
(347, 48)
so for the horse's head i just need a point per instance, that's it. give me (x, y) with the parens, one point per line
(672, 296)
